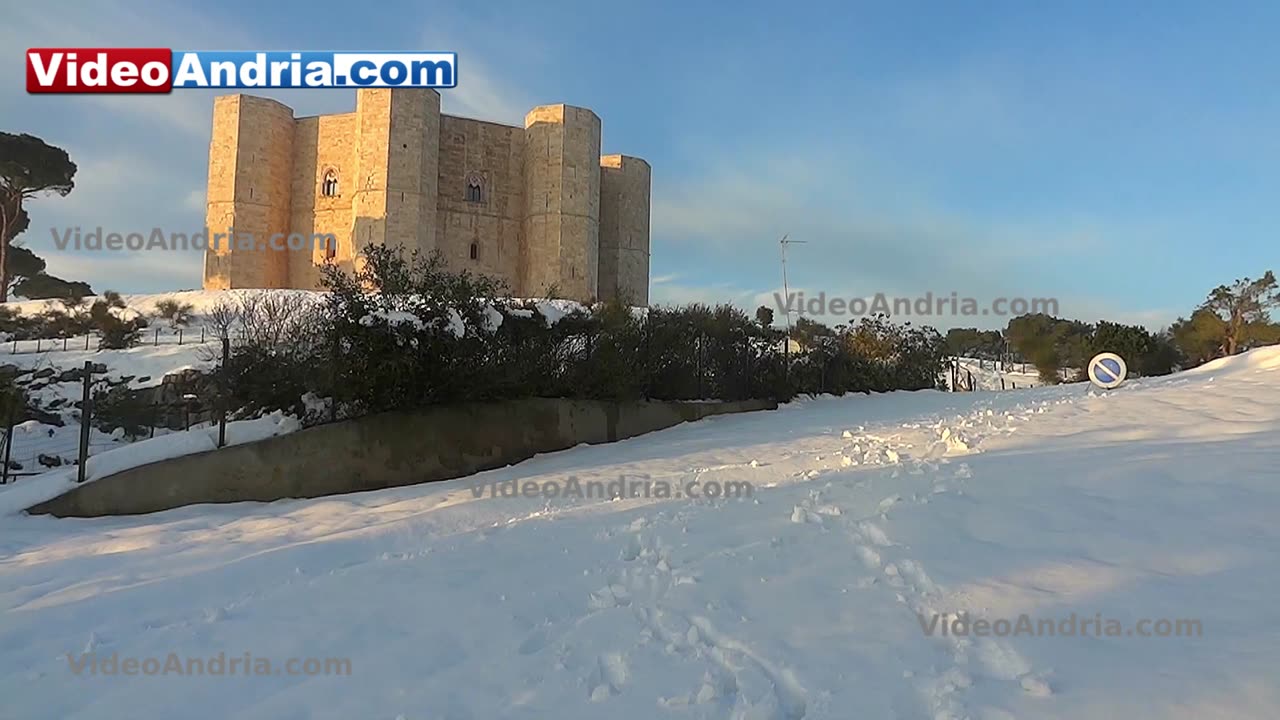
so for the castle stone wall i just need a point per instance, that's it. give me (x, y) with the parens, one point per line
(494, 154)
(321, 144)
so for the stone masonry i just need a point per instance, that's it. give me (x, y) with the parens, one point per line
(537, 207)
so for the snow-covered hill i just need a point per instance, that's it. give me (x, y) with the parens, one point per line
(808, 600)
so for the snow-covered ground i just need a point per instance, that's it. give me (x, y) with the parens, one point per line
(808, 600)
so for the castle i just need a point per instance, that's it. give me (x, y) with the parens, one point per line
(535, 206)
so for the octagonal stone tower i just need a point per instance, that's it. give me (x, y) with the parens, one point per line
(562, 201)
(624, 229)
(249, 191)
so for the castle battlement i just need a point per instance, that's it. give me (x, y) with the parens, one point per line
(536, 206)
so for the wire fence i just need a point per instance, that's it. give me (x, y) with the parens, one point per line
(93, 341)
(181, 402)
(962, 378)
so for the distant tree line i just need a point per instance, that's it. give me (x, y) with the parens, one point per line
(1232, 319)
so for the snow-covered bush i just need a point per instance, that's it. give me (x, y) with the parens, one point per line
(403, 331)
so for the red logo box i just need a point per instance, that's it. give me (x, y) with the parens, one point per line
(99, 70)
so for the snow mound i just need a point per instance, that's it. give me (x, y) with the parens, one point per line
(1266, 358)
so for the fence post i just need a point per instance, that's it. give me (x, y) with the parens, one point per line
(222, 392)
(335, 358)
(64, 343)
(157, 341)
(1001, 382)
(15, 346)
(86, 340)
(8, 448)
(697, 349)
(786, 358)
(86, 417)
(201, 334)
(179, 336)
(37, 346)
(970, 373)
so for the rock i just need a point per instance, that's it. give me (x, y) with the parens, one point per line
(43, 373)
(70, 375)
(50, 461)
(44, 416)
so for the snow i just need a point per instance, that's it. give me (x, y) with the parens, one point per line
(391, 317)
(806, 600)
(492, 318)
(457, 327)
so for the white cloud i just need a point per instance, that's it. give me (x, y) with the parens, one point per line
(482, 97)
(196, 201)
(674, 294)
(480, 94)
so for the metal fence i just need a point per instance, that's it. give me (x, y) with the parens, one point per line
(92, 341)
(182, 403)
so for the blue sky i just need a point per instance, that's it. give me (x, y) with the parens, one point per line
(1120, 157)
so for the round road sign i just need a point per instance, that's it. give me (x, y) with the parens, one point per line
(1107, 370)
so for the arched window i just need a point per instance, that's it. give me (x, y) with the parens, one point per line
(329, 187)
(475, 188)
(475, 251)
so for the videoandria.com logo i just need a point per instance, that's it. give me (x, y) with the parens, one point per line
(161, 70)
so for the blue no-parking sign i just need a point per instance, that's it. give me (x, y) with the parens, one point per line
(1107, 370)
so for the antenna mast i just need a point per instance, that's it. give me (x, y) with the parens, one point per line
(786, 291)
